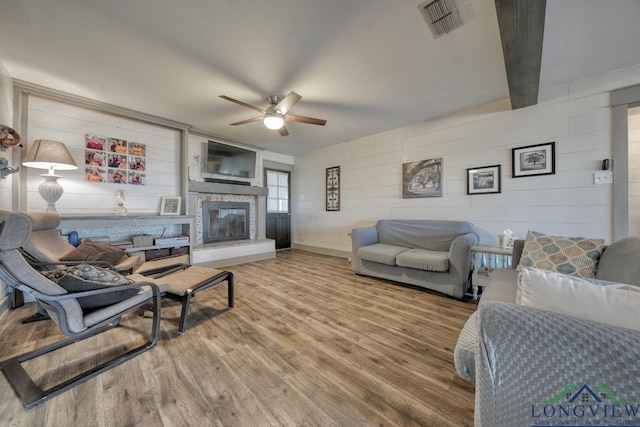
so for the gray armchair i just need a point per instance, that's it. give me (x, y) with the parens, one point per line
(528, 357)
(65, 311)
(45, 245)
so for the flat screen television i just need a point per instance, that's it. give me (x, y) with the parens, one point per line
(228, 160)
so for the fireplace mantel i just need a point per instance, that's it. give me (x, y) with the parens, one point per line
(218, 188)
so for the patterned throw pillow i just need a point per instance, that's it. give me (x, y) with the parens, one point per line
(575, 256)
(85, 277)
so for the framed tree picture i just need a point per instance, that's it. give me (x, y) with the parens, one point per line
(422, 179)
(534, 160)
(333, 188)
(483, 180)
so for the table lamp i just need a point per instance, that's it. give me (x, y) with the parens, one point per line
(47, 154)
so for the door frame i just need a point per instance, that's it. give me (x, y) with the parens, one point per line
(621, 101)
(282, 168)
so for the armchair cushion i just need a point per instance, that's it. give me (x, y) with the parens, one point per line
(93, 251)
(85, 277)
(422, 259)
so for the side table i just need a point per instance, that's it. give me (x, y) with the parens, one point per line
(496, 256)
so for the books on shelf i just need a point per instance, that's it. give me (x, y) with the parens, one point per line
(175, 240)
(124, 244)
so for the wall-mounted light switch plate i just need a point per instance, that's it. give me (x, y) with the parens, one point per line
(603, 178)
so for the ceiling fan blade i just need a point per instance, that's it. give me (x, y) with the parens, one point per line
(244, 104)
(288, 102)
(303, 119)
(283, 131)
(244, 122)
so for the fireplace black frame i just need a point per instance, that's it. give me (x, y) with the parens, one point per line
(207, 206)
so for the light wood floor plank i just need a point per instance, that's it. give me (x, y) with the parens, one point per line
(308, 343)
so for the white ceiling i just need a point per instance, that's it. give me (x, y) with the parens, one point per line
(363, 65)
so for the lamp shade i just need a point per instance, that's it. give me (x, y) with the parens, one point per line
(47, 154)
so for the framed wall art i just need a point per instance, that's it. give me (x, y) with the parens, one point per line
(333, 188)
(170, 205)
(534, 160)
(113, 160)
(483, 180)
(422, 179)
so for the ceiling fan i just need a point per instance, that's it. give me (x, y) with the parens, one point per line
(276, 114)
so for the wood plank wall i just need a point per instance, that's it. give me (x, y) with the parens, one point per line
(50, 119)
(576, 116)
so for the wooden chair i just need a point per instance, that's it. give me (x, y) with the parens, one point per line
(66, 312)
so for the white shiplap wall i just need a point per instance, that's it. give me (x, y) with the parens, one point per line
(634, 171)
(198, 147)
(576, 116)
(67, 123)
(6, 118)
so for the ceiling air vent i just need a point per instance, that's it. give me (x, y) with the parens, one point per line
(441, 15)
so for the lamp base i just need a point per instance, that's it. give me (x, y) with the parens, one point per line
(50, 191)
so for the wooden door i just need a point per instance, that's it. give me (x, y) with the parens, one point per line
(278, 225)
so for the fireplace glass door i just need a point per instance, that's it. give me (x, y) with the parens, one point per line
(223, 221)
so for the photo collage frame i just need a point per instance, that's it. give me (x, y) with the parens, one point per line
(114, 160)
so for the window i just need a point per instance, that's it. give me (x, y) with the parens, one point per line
(278, 198)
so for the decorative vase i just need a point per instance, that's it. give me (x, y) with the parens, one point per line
(120, 209)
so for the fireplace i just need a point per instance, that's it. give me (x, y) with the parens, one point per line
(224, 221)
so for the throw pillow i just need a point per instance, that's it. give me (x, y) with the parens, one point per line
(93, 251)
(85, 277)
(605, 302)
(576, 256)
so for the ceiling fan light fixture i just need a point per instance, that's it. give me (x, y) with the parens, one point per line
(273, 120)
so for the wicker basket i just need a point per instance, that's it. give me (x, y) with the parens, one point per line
(142, 241)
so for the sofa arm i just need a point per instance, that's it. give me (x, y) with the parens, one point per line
(460, 261)
(364, 236)
(526, 358)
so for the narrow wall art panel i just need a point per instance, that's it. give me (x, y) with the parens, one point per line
(333, 188)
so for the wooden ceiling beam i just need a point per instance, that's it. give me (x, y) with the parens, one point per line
(521, 25)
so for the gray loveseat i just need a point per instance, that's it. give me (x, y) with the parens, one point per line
(521, 358)
(428, 253)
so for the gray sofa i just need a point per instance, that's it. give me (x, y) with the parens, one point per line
(521, 357)
(428, 253)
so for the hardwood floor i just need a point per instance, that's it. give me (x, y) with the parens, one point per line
(308, 343)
